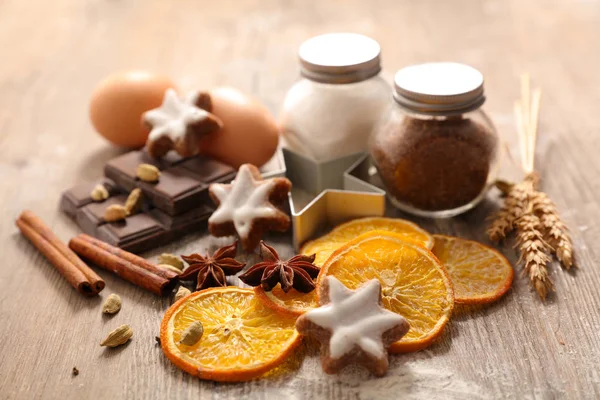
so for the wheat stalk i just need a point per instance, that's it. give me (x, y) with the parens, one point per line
(557, 233)
(535, 252)
(526, 210)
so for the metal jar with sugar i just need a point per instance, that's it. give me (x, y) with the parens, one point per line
(331, 111)
(435, 149)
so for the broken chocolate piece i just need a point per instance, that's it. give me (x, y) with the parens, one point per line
(91, 216)
(170, 222)
(177, 191)
(136, 233)
(122, 169)
(183, 183)
(146, 230)
(208, 170)
(80, 195)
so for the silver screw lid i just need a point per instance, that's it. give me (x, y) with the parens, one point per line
(439, 89)
(339, 58)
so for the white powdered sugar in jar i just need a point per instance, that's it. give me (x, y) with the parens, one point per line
(331, 111)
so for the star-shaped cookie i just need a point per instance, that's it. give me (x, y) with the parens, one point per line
(248, 206)
(179, 124)
(352, 326)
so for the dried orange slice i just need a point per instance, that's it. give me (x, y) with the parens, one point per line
(242, 338)
(414, 283)
(327, 244)
(479, 273)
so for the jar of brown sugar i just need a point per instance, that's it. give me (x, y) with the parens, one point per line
(435, 149)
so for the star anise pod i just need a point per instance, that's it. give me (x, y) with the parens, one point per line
(297, 272)
(210, 271)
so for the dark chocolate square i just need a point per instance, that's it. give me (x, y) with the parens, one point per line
(135, 232)
(208, 170)
(178, 190)
(170, 159)
(91, 216)
(80, 195)
(122, 169)
(185, 220)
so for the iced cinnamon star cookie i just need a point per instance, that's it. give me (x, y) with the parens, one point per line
(352, 326)
(248, 206)
(179, 124)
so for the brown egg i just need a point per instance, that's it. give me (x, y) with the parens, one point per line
(119, 101)
(250, 133)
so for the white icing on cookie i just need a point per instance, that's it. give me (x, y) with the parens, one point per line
(244, 200)
(174, 116)
(354, 318)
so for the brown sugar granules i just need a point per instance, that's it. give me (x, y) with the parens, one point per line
(433, 164)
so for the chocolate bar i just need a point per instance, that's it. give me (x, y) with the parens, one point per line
(183, 183)
(139, 232)
(174, 206)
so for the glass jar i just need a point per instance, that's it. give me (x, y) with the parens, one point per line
(435, 149)
(331, 111)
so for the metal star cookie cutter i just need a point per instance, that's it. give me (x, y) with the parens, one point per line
(330, 192)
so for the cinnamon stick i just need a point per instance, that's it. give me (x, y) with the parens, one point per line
(66, 262)
(132, 258)
(118, 261)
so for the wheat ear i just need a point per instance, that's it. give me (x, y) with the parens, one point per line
(557, 233)
(535, 252)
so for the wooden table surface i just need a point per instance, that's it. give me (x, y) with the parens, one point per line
(54, 52)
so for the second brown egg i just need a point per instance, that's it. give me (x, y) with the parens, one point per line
(250, 133)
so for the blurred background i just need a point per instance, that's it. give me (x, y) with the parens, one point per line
(56, 52)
